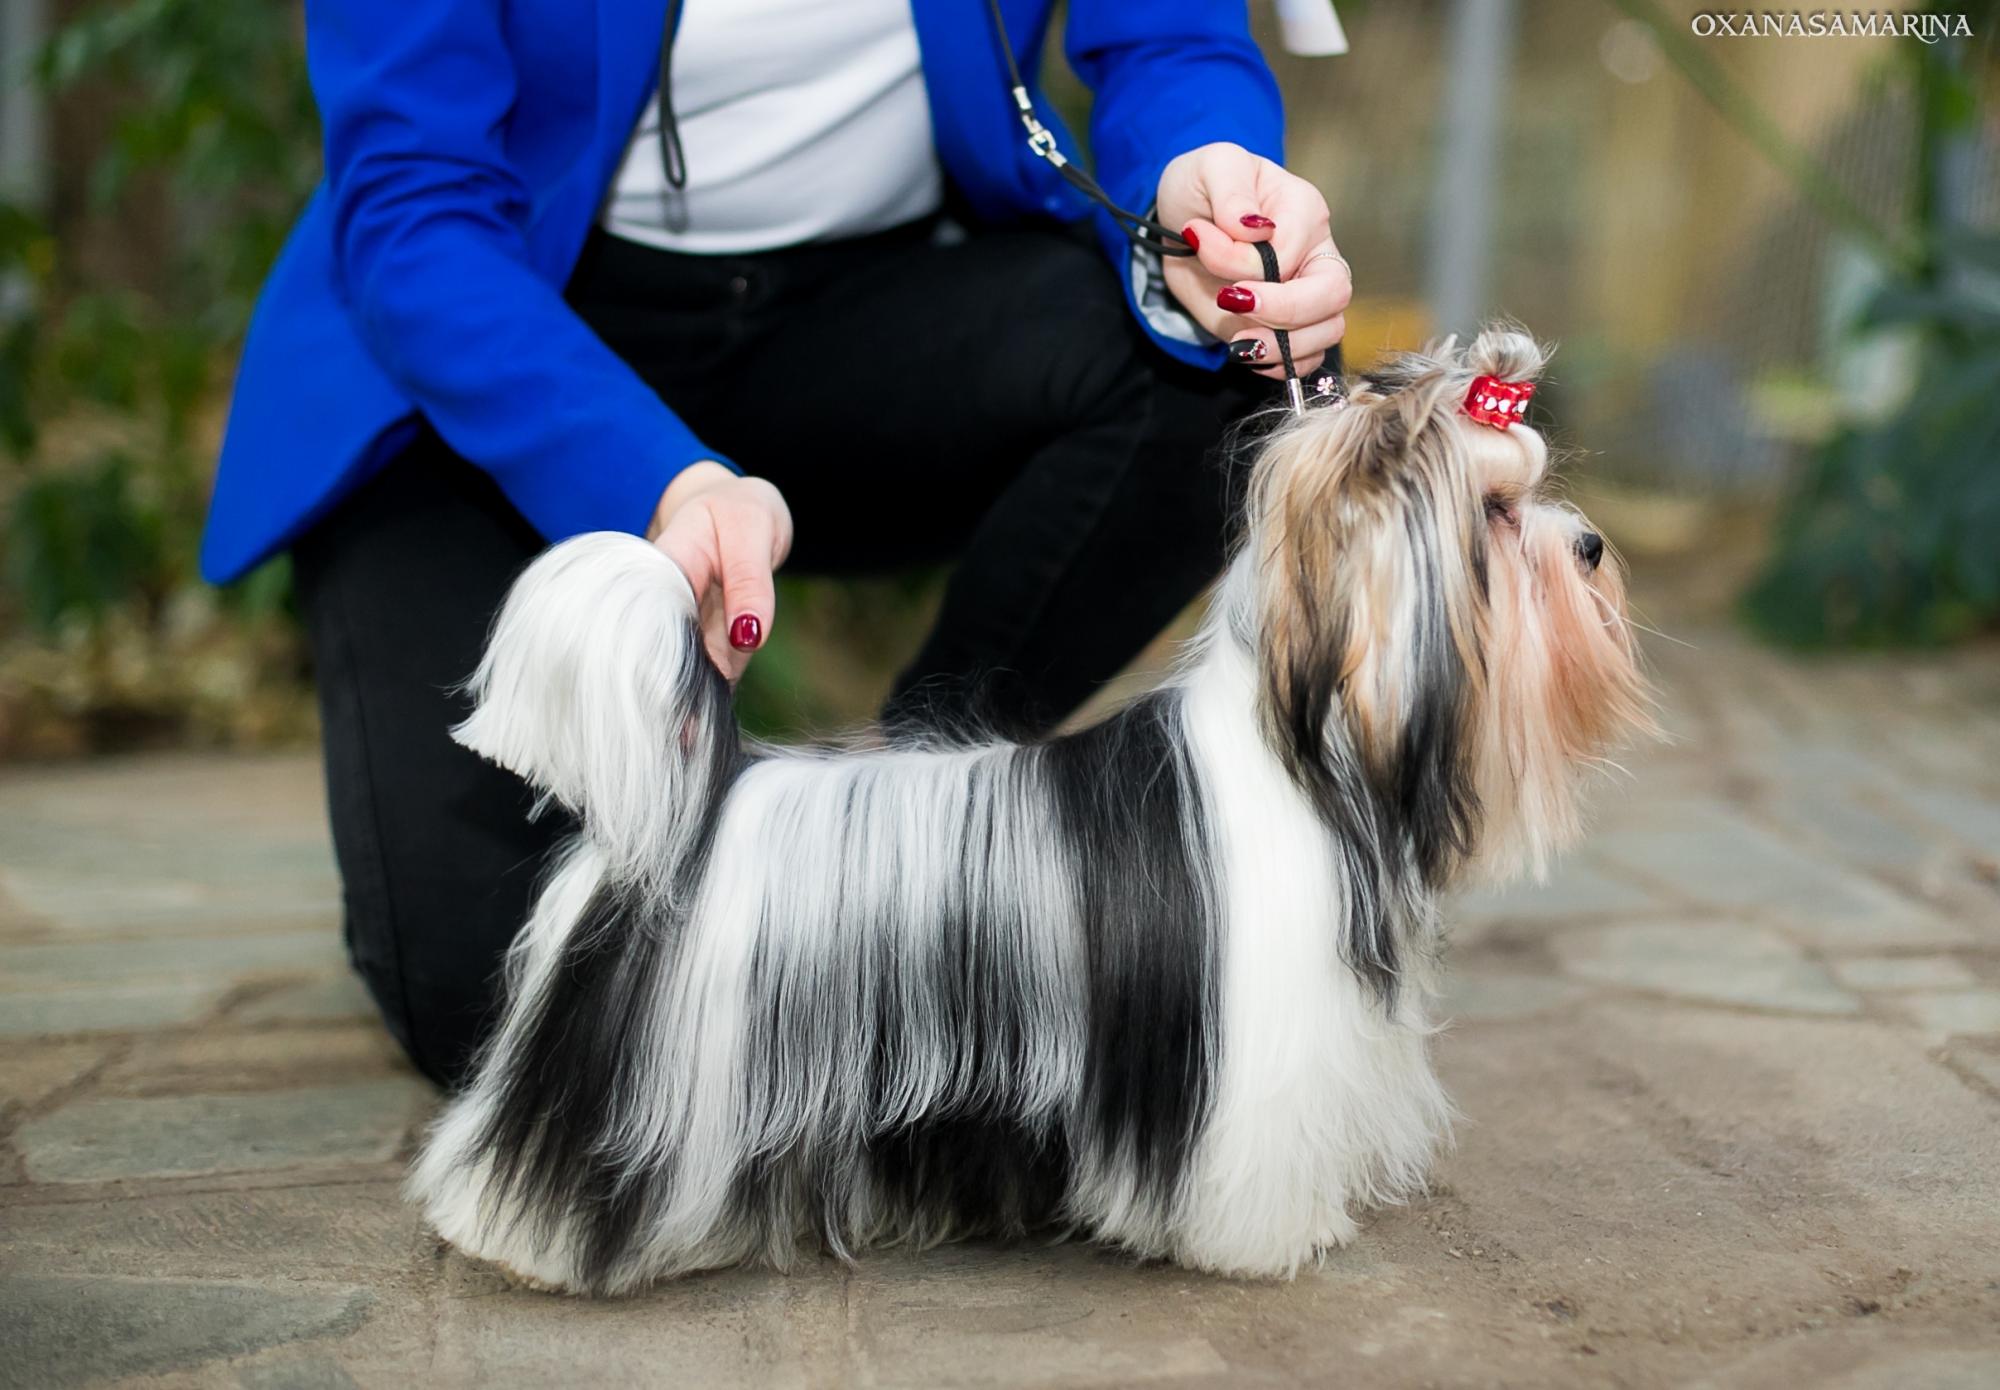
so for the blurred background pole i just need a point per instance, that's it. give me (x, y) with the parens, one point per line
(1478, 55)
(21, 165)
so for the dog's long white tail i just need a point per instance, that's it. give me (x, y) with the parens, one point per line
(595, 688)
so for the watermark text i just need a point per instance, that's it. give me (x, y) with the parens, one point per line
(1830, 24)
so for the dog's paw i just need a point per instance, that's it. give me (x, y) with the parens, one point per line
(509, 1272)
(1336, 1230)
(522, 1280)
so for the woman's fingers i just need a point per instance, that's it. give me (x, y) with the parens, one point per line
(1311, 307)
(1301, 214)
(692, 548)
(727, 543)
(1252, 200)
(1257, 348)
(1226, 188)
(1222, 255)
(690, 541)
(1230, 177)
(1320, 290)
(749, 595)
(1229, 201)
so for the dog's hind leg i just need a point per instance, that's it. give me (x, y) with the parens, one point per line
(453, 1178)
(596, 689)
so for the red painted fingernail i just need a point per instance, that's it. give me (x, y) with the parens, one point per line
(1257, 220)
(1235, 299)
(1193, 241)
(746, 634)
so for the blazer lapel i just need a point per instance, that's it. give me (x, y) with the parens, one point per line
(628, 55)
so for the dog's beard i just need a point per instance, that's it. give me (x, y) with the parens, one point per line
(1564, 689)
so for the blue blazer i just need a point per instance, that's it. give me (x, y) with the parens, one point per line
(469, 146)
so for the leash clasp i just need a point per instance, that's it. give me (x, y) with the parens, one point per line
(1041, 139)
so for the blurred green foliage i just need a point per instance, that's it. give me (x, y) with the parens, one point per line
(117, 327)
(1893, 533)
(113, 332)
(1890, 533)
(113, 338)
(111, 352)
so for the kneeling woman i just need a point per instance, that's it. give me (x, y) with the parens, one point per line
(768, 281)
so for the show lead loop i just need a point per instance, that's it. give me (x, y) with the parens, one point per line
(1295, 392)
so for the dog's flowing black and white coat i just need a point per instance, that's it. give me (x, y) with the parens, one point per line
(1161, 982)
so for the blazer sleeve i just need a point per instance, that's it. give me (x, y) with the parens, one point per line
(1168, 76)
(432, 261)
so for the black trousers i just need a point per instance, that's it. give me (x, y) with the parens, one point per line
(988, 403)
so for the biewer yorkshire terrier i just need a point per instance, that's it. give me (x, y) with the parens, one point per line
(1162, 982)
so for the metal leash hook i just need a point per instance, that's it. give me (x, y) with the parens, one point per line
(1295, 392)
(1140, 231)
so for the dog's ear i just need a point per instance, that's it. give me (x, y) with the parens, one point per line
(1372, 559)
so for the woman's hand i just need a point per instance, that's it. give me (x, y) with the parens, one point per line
(727, 534)
(1227, 198)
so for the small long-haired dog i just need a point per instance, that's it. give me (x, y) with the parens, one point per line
(1161, 982)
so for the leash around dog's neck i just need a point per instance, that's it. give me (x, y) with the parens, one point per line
(1295, 393)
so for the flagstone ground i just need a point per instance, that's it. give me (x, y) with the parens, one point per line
(1730, 1087)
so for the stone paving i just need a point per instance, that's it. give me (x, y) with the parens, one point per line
(1730, 1083)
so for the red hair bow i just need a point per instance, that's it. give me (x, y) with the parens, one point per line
(1498, 403)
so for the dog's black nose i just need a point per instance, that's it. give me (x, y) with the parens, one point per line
(1590, 546)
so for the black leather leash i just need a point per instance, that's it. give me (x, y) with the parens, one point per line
(1295, 393)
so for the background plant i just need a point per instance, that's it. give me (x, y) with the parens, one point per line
(115, 341)
(1893, 532)
(212, 148)
(1889, 535)
(186, 143)
(113, 337)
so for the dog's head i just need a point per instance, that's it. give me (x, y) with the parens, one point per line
(1443, 643)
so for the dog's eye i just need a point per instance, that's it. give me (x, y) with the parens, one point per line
(1501, 510)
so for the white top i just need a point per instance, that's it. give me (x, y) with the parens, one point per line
(800, 120)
